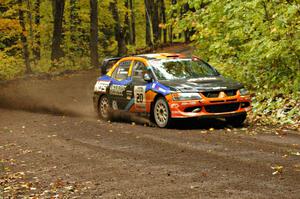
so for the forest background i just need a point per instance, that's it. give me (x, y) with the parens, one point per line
(256, 42)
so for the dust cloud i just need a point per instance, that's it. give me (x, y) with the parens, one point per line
(65, 96)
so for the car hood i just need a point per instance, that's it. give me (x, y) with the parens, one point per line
(216, 83)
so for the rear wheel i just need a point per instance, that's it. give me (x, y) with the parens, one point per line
(237, 120)
(104, 108)
(161, 113)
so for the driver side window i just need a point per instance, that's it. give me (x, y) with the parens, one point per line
(139, 69)
(121, 72)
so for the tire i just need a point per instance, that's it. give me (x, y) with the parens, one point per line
(104, 108)
(161, 113)
(236, 121)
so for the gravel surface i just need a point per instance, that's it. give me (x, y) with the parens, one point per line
(52, 145)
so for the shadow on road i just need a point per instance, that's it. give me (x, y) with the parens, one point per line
(202, 124)
(182, 124)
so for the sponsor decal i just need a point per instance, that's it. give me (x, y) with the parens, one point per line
(117, 90)
(128, 94)
(140, 97)
(174, 106)
(162, 90)
(153, 85)
(188, 103)
(101, 86)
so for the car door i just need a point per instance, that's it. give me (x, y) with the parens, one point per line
(138, 88)
(121, 80)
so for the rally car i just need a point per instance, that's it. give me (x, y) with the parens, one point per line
(167, 86)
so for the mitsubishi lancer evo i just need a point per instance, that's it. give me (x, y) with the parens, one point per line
(167, 86)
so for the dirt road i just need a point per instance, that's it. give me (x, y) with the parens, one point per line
(53, 145)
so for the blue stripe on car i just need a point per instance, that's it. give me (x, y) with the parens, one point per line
(129, 105)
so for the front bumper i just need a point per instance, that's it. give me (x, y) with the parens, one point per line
(208, 108)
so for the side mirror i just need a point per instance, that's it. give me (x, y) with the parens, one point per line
(147, 77)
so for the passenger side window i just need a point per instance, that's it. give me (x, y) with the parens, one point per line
(121, 72)
(139, 69)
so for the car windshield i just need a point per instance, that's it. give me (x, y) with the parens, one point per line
(181, 69)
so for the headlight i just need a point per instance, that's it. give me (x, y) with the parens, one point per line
(186, 96)
(243, 92)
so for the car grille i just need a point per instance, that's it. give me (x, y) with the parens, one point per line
(221, 108)
(215, 94)
(230, 92)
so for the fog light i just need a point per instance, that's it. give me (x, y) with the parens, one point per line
(196, 110)
(193, 109)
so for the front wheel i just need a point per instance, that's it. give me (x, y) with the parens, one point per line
(161, 113)
(237, 120)
(104, 108)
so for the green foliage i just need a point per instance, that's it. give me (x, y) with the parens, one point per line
(9, 67)
(76, 39)
(255, 41)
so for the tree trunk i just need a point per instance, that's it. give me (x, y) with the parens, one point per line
(155, 22)
(185, 9)
(127, 24)
(187, 36)
(163, 19)
(133, 31)
(94, 33)
(171, 36)
(119, 31)
(148, 13)
(30, 21)
(24, 38)
(57, 51)
(37, 20)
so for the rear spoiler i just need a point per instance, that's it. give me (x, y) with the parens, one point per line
(108, 64)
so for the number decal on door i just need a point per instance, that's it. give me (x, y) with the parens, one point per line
(140, 97)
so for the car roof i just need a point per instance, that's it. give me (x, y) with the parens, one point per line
(153, 56)
(161, 56)
(150, 56)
